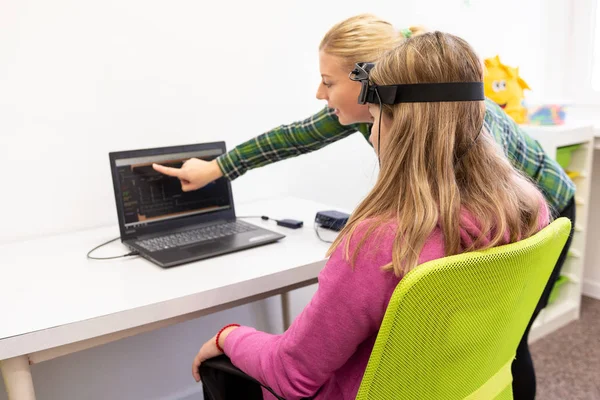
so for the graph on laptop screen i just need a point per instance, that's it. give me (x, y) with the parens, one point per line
(148, 196)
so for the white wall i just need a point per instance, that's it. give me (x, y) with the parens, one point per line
(80, 79)
(531, 34)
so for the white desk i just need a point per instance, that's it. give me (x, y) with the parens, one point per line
(56, 302)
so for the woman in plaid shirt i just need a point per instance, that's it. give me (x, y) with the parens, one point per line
(365, 38)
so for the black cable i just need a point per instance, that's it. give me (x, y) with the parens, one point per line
(458, 158)
(379, 126)
(263, 217)
(286, 223)
(133, 253)
(266, 218)
(319, 236)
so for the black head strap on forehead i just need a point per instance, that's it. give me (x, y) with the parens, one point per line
(415, 92)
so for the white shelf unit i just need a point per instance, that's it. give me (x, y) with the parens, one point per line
(567, 305)
(591, 282)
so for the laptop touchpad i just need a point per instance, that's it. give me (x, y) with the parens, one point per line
(206, 247)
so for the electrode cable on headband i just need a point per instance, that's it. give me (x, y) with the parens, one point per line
(379, 125)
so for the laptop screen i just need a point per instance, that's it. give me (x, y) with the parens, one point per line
(148, 197)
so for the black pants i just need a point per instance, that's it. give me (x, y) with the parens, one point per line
(522, 367)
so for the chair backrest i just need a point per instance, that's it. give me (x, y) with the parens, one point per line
(453, 325)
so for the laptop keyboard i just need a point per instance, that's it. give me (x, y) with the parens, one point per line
(194, 236)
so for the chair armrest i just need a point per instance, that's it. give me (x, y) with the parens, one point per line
(223, 364)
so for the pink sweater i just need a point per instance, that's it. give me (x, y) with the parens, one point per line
(328, 345)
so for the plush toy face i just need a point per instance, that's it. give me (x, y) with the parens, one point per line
(502, 84)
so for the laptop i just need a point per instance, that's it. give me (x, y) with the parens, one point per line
(168, 226)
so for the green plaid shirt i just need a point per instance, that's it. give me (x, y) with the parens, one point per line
(323, 128)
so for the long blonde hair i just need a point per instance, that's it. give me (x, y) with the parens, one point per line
(437, 161)
(364, 37)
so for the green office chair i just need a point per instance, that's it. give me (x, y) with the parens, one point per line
(452, 326)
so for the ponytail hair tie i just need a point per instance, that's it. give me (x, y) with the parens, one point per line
(406, 33)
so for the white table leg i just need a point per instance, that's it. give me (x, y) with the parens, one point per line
(17, 378)
(285, 310)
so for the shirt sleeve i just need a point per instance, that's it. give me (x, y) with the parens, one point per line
(528, 156)
(347, 309)
(284, 142)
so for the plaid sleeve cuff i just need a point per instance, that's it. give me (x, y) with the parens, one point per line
(227, 163)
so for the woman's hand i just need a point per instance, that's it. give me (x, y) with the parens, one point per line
(209, 350)
(193, 174)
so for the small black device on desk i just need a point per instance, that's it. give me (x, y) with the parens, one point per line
(334, 220)
(290, 223)
(287, 223)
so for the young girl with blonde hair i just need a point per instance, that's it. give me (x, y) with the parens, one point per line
(444, 187)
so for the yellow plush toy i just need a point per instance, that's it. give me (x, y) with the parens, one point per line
(503, 85)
